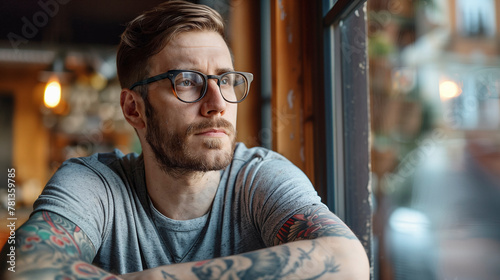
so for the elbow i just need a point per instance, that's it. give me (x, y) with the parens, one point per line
(349, 257)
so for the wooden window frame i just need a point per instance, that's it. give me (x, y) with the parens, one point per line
(320, 102)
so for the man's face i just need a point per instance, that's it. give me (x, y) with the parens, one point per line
(191, 136)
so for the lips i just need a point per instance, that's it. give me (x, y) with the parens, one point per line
(218, 128)
(214, 132)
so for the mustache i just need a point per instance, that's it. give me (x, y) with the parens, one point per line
(198, 127)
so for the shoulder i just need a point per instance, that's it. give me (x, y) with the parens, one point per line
(244, 156)
(100, 163)
(265, 163)
(95, 175)
(271, 188)
(89, 190)
(263, 173)
(109, 159)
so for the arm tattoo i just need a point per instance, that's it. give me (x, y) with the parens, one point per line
(275, 263)
(168, 276)
(285, 261)
(54, 233)
(49, 243)
(312, 224)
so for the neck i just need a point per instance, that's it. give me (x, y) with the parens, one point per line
(180, 196)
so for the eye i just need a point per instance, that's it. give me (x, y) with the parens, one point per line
(188, 80)
(186, 83)
(226, 80)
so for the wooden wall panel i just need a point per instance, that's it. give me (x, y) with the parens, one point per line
(30, 137)
(292, 103)
(244, 37)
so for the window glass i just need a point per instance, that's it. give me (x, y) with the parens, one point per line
(435, 138)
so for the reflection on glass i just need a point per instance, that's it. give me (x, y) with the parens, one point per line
(435, 149)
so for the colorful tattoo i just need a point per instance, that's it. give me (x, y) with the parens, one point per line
(52, 244)
(49, 231)
(312, 224)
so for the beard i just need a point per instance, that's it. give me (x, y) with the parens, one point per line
(171, 148)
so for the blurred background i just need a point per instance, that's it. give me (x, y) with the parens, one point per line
(412, 165)
(435, 119)
(70, 43)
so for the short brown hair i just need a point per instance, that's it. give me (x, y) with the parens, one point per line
(150, 32)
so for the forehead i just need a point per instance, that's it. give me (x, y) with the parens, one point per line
(194, 50)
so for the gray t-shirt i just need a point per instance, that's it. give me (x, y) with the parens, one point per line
(105, 195)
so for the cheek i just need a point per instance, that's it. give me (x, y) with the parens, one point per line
(179, 119)
(232, 112)
(169, 109)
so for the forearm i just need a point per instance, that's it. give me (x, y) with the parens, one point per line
(50, 247)
(322, 258)
(40, 266)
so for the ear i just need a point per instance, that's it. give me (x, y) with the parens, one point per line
(133, 108)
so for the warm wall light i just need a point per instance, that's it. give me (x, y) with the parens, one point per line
(449, 89)
(52, 94)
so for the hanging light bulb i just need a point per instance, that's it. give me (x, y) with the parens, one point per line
(54, 76)
(52, 93)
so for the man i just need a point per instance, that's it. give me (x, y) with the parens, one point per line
(193, 205)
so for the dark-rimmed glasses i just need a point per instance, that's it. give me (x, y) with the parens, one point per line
(191, 86)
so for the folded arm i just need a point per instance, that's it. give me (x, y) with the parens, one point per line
(49, 246)
(312, 245)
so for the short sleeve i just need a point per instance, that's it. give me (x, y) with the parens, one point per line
(275, 190)
(78, 192)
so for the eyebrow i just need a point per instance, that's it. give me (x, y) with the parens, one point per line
(218, 71)
(224, 70)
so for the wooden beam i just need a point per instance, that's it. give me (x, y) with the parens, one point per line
(293, 64)
(244, 40)
(287, 67)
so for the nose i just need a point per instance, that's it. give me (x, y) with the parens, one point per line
(213, 103)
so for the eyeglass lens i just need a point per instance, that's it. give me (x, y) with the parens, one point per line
(189, 86)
